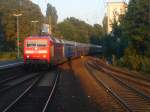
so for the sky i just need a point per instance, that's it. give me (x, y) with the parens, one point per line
(91, 11)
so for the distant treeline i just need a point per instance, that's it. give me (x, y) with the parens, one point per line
(77, 30)
(71, 28)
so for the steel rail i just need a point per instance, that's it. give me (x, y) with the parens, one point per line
(116, 96)
(51, 93)
(2, 90)
(10, 65)
(136, 94)
(9, 79)
(19, 97)
(139, 93)
(122, 72)
(47, 101)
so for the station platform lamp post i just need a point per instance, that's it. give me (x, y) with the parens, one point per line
(18, 34)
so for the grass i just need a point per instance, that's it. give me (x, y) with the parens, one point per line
(7, 56)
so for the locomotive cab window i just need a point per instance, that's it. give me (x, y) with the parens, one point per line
(39, 43)
(31, 43)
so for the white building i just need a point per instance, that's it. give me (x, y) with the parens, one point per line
(114, 9)
(46, 29)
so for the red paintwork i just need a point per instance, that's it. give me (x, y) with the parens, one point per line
(36, 55)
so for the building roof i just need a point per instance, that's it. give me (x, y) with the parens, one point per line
(116, 2)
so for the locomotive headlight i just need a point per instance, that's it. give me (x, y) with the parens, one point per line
(44, 56)
(42, 51)
(29, 51)
(28, 56)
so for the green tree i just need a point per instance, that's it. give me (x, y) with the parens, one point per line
(105, 23)
(97, 34)
(30, 12)
(133, 34)
(74, 29)
(51, 16)
(136, 25)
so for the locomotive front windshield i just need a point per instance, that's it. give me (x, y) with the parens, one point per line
(38, 43)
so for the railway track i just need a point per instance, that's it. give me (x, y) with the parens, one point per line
(129, 74)
(11, 65)
(13, 84)
(127, 99)
(15, 81)
(138, 82)
(6, 73)
(9, 79)
(11, 75)
(35, 98)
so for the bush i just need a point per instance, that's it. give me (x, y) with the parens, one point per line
(135, 61)
(7, 56)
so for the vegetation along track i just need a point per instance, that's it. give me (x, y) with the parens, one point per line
(141, 84)
(35, 98)
(131, 100)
